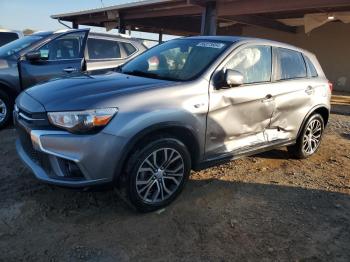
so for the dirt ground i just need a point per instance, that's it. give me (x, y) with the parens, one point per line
(261, 208)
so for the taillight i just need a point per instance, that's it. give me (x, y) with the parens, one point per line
(330, 85)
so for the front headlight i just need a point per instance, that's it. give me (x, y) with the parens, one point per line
(82, 121)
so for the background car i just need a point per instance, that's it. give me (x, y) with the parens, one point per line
(46, 55)
(7, 36)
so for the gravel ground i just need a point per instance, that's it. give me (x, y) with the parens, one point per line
(262, 208)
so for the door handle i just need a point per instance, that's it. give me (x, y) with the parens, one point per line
(268, 98)
(69, 69)
(309, 90)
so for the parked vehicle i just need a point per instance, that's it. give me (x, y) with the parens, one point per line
(185, 104)
(46, 55)
(7, 36)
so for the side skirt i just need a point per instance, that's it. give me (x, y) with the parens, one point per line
(248, 151)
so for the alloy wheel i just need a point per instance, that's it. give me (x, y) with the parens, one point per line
(3, 110)
(160, 175)
(312, 136)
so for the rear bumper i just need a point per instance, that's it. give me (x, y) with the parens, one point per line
(49, 153)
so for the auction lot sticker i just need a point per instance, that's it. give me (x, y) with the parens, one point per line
(211, 45)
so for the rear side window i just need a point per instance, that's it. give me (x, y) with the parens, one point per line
(292, 64)
(129, 48)
(311, 67)
(254, 63)
(7, 37)
(103, 49)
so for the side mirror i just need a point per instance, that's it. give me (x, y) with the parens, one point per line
(233, 78)
(33, 56)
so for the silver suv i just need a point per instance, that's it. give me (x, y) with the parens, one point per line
(186, 104)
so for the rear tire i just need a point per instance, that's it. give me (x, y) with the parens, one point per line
(5, 109)
(309, 139)
(156, 173)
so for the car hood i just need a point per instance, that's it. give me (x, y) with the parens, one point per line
(89, 91)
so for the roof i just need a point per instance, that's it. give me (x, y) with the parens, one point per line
(219, 38)
(184, 17)
(234, 39)
(117, 35)
(110, 8)
(43, 33)
(47, 33)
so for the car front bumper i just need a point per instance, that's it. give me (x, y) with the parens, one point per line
(50, 154)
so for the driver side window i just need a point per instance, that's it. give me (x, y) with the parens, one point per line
(254, 63)
(65, 47)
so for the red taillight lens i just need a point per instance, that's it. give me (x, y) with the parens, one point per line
(330, 85)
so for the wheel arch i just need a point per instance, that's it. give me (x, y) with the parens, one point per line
(320, 109)
(8, 89)
(177, 130)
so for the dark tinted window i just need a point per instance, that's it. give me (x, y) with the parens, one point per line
(103, 49)
(64, 47)
(254, 63)
(292, 64)
(129, 48)
(7, 37)
(312, 69)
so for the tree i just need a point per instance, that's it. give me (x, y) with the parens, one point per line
(28, 31)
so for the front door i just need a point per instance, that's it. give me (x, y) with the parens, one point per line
(238, 116)
(60, 57)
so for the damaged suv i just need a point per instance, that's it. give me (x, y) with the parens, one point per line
(186, 104)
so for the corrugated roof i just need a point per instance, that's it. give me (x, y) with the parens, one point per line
(109, 8)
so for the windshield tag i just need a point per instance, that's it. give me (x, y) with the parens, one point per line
(211, 45)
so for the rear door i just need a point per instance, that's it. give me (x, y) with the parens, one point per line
(292, 90)
(60, 57)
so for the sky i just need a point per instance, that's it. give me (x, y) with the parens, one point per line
(35, 14)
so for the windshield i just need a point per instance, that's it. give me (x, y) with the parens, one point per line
(17, 45)
(177, 60)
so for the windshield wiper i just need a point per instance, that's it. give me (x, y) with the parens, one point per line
(147, 74)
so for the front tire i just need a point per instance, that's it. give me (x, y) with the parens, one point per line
(5, 109)
(156, 173)
(309, 139)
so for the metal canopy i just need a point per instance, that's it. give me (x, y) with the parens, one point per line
(189, 17)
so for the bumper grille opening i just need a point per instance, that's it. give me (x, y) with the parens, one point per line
(71, 169)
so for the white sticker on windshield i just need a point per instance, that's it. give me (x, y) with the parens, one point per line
(211, 45)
